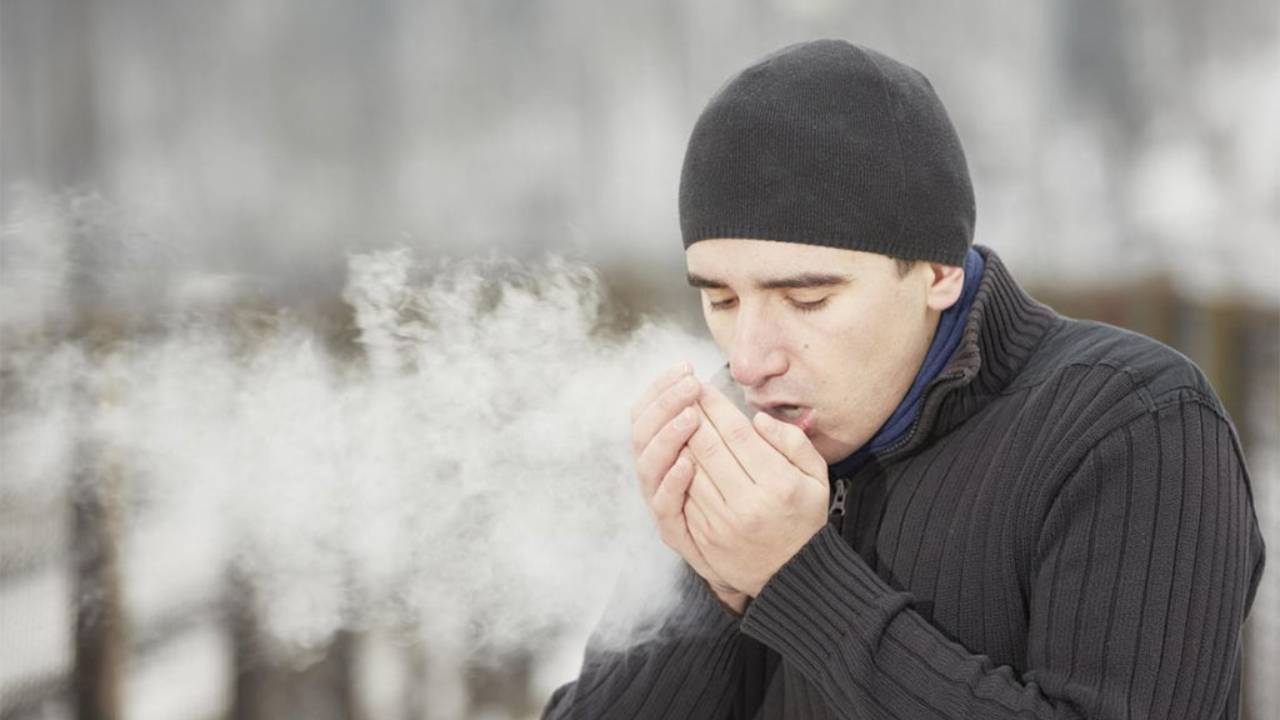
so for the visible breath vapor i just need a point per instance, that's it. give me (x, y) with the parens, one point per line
(461, 470)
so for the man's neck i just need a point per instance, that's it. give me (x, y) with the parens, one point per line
(943, 342)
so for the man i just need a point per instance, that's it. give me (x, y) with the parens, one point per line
(951, 502)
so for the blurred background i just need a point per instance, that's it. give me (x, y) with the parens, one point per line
(320, 319)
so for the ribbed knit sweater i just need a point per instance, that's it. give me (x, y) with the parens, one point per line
(1067, 531)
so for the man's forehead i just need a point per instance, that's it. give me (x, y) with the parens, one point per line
(774, 282)
(768, 264)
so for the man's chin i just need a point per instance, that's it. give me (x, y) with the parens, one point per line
(831, 450)
(826, 447)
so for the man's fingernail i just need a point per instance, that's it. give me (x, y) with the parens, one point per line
(686, 419)
(688, 385)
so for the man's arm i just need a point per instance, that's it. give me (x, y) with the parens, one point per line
(690, 669)
(1147, 562)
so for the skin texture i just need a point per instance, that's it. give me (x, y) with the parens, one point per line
(838, 332)
(851, 359)
(758, 494)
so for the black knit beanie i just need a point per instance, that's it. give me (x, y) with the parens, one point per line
(828, 143)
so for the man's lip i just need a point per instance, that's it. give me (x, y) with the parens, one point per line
(766, 404)
(804, 420)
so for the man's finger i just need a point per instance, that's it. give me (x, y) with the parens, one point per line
(661, 410)
(704, 493)
(764, 464)
(664, 381)
(792, 443)
(713, 456)
(699, 527)
(657, 458)
(668, 499)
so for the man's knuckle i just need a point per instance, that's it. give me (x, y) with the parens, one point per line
(703, 447)
(671, 475)
(740, 434)
(671, 434)
(692, 524)
(789, 493)
(671, 400)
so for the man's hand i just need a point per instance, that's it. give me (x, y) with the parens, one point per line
(662, 421)
(759, 492)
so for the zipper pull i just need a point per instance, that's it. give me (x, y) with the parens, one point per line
(837, 502)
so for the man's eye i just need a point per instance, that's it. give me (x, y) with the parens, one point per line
(808, 306)
(722, 304)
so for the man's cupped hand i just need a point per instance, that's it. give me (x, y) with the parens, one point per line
(735, 498)
(758, 494)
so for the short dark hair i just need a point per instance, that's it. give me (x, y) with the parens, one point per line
(904, 266)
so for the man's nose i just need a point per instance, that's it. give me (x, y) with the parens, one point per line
(757, 353)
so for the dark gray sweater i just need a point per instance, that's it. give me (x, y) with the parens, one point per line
(1066, 532)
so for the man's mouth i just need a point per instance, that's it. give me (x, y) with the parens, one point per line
(798, 415)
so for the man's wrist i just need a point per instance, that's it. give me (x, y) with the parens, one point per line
(732, 600)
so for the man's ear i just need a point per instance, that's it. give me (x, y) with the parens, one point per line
(946, 282)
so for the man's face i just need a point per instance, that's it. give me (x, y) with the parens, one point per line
(827, 339)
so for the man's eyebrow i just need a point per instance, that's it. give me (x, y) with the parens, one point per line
(803, 280)
(698, 281)
(792, 282)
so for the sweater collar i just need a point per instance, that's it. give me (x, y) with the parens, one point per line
(1003, 328)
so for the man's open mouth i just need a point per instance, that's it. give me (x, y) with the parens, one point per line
(785, 411)
(798, 415)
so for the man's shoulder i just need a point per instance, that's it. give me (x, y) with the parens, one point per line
(1131, 372)
(1085, 381)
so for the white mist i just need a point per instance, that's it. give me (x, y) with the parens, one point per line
(459, 475)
